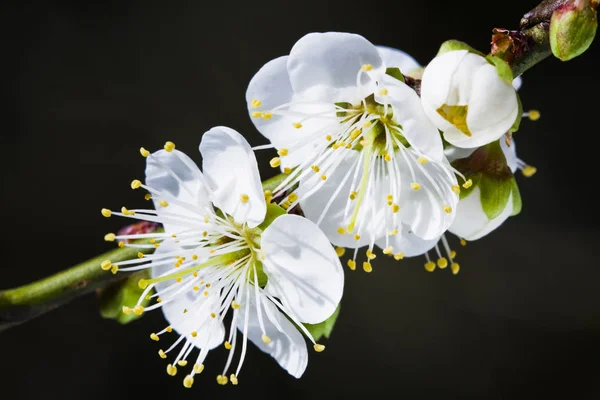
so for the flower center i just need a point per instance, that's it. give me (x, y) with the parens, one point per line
(457, 116)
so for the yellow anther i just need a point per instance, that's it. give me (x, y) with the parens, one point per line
(534, 115)
(125, 211)
(267, 115)
(422, 160)
(393, 232)
(121, 244)
(162, 354)
(136, 184)
(456, 189)
(366, 67)
(328, 138)
(452, 254)
(442, 263)
(188, 381)
(106, 212)
(455, 268)
(222, 380)
(319, 347)
(275, 162)
(213, 315)
(182, 363)
(233, 379)
(143, 283)
(529, 171)
(463, 242)
(194, 333)
(169, 329)
(140, 254)
(293, 197)
(114, 269)
(370, 254)
(415, 186)
(266, 339)
(468, 184)
(179, 280)
(383, 92)
(395, 208)
(235, 305)
(154, 337)
(340, 251)
(287, 170)
(367, 267)
(366, 124)
(323, 177)
(205, 293)
(126, 310)
(185, 310)
(297, 125)
(244, 198)
(398, 256)
(144, 152)
(148, 196)
(282, 152)
(138, 310)
(227, 345)
(196, 288)
(357, 237)
(156, 245)
(169, 146)
(341, 230)
(335, 146)
(447, 209)
(171, 370)
(352, 264)
(163, 203)
(388, 250)
(256, 103)
(256, 114)
(105, 265)
(198, 368)
(159, 299)
(430, 266)
(387, 158)
(353, 195)
(315, 168)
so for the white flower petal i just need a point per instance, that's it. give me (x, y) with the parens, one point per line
(517, 83)
(288, 348)
(471, 223)
(324, 66)
(408, 112)
(408, 243)
(303, 268)
(335, 216)
(176, 176)
(423, 210)
(493, 108)
(394, 58)
(456, 153)
(436, 85)
(231, 171)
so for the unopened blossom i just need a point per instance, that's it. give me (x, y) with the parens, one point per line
(364, 161)
(467, 100)
(225, 252)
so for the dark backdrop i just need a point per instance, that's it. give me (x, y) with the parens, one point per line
(86, 85)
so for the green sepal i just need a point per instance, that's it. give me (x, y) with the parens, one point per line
(395, 73)
(517, 123)
(494, 195)
(273, 211)
(516, 198)
(324, 328)
(453, 45)
(502, 68)
(125, 292)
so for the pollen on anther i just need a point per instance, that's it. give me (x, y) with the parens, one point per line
(256, 103)
(341, 230)
(275, 162)
(387, 158)
(171, 370)
(395, 208)
(188, 381)
(398, 256)
(383, 92)
(357, 237)
(256, 114)
(463, 242)
(147, 196)
(154, 337)
(114, 269)
(422, 160)
(136, 184)
(367, 67)
(442, 263)
(106, 212)
(456, 189)
(370, 255)
(144, 152)
(182, 363)
(415, 186)
(126, 310)
(140, 254)
(323, 177)
(455, 268)
(233, 379)
(388, 250)
(198, 368)
(227, 345)
(447, 209)
(297, 125)
(353, 195)
(266, 339)
(138, 310)
(244, 198)
(169, 146)
(319, 347)
(534, 115)
(222, 380)
(282, 152)
(468, 184)
(529, 171)
(367, 267)
(267, 115)
(235, 305)
(352, 264)
(194, 333)
(340, 251)
(162, 354)
(430, 266)
(105, 265)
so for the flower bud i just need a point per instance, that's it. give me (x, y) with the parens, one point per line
(573, 28)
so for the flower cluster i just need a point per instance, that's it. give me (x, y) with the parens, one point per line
(375, 152)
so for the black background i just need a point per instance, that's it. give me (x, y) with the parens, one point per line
(86, 85)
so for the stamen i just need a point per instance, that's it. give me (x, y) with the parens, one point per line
(144, 152)
(169, 146)
(256, 103)
(275, 162)
(352, 264)
(106, 212)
